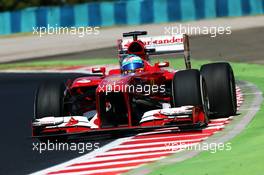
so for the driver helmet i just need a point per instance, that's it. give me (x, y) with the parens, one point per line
(131, 64)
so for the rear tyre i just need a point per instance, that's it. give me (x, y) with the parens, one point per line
(188, 88)
(220, 82)
(49, 100)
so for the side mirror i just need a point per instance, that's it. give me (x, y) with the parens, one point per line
(162, 64)
(99, 70)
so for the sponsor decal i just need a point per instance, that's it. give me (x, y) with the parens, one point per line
(159, 41)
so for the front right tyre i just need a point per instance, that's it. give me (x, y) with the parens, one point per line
(189, 88)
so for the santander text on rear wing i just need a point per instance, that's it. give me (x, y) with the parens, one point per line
(155, 45)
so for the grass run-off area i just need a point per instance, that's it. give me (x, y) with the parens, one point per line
(56, 63)
(247, 153)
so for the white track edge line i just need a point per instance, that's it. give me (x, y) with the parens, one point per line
(87, 156)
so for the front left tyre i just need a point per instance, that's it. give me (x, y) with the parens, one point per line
(49, 100)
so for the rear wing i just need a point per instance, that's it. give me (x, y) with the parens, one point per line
(155, 45)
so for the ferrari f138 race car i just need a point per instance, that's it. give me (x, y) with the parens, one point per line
(137, 95)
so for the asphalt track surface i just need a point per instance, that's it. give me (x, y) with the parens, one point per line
(17, 98)
(241, 46)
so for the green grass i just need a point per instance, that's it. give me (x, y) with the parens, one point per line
(74, 62)
(176, 63)
(247, 154)
(57, 63)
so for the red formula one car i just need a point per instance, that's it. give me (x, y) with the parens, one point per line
(138, 95)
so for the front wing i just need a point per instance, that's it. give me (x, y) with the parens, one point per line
(82, 125)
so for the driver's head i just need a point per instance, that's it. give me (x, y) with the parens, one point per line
(131, 64)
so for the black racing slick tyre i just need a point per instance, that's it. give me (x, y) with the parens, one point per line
(220, 82)
(188, 88)
(49, 100)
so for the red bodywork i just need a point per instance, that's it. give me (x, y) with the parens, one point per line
(151, 75)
